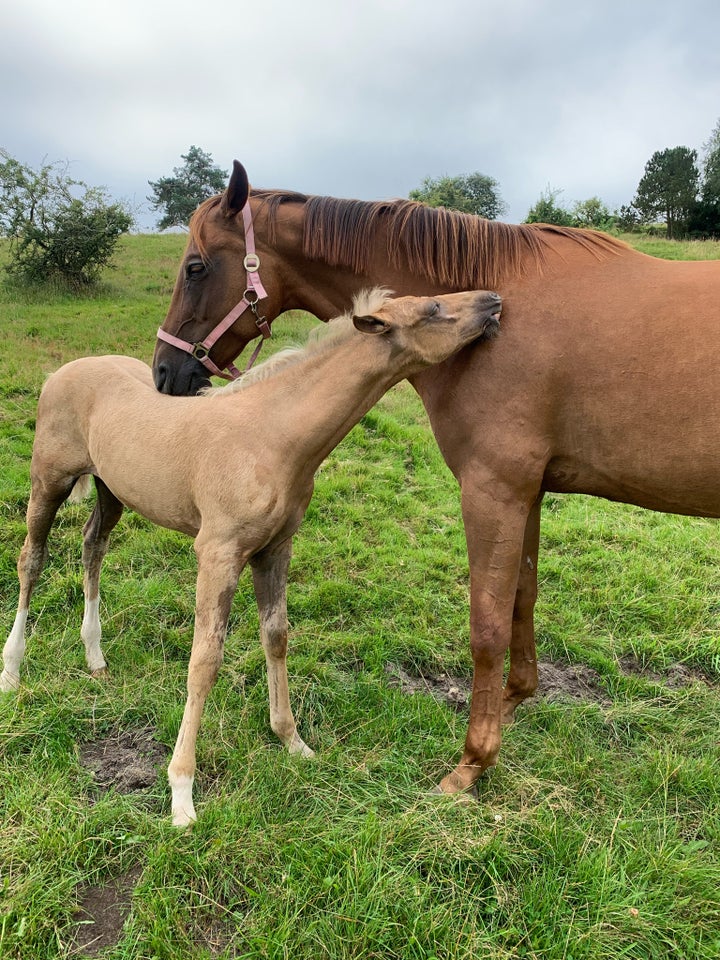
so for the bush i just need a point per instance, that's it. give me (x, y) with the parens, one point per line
(59, 228)
(548, 210)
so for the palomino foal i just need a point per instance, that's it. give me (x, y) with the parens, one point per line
(161, 456)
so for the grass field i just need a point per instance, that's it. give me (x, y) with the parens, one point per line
(595, 837)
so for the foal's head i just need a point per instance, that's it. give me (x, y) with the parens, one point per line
(429, 329)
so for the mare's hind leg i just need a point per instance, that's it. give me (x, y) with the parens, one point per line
(45, 500)
(96, 535)
(270, 574)
(522, 678)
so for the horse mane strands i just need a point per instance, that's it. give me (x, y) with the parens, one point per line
(263, 371)
(369, 301)
(459, 250)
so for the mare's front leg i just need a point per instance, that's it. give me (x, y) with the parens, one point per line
(219, 565)
(522, 678)
(46, 496)
(495, 519)
(270, 575)
(108, 510)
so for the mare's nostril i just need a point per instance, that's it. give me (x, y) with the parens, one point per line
(160, 376)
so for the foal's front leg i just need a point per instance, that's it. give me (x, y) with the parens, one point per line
(270, 574)
(219, 566)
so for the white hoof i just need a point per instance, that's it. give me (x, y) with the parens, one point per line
(183, 817)
(298, 747)
(183, 809)
(8, 682)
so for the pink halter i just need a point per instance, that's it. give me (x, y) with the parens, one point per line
(254, 292)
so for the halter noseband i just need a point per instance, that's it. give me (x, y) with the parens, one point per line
(254, 292)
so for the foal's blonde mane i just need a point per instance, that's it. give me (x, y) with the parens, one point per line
(319, 339)
(458, 250)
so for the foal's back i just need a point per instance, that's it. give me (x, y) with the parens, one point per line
(157, 454)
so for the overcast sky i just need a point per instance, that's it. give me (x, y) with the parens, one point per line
(361, 99)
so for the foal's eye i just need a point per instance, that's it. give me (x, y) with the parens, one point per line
(434, 308)
(195, 269)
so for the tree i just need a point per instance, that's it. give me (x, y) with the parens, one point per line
(473, 193)
(711, 167)
(704, 218)
(59, 228)
(548, 210)
(626, 218)
(181, 194)
(669, 188)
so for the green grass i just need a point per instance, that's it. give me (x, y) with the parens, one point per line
(596, 836)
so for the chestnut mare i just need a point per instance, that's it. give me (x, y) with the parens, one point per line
(605, 380)
(234, 470)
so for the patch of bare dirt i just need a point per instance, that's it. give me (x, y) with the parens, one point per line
(557, 680)
(127, 760)
(570, 681)
(454, 691)
(101, 914)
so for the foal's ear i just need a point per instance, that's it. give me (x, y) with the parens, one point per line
(371, 325)
(238, 190)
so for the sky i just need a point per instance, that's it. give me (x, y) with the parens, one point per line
(360, 99)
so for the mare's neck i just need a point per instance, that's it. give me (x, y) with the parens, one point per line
(327, 290)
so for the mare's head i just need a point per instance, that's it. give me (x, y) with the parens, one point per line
(229, 274)
(428, 330)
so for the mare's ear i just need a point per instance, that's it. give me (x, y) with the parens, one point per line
(370, 325)
(238, 190)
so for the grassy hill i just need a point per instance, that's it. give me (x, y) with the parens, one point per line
(595, 837)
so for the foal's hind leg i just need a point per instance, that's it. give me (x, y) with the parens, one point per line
(522, 678)
(270, 574)
(96, 535)
(45, 500)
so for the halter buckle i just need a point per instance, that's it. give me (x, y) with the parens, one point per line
(251, 262)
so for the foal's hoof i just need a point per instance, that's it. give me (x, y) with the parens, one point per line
(299, 748)
(183, 819)
(102, 673)
(8, 682)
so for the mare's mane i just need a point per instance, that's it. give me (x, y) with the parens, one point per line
(458, 250)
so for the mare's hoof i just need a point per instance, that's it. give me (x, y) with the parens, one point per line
(470, 795)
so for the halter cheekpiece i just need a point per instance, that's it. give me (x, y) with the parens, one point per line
(254, 292)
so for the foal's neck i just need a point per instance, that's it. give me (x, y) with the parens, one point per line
(315, 402)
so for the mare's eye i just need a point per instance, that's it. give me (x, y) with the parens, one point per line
(195, 269)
